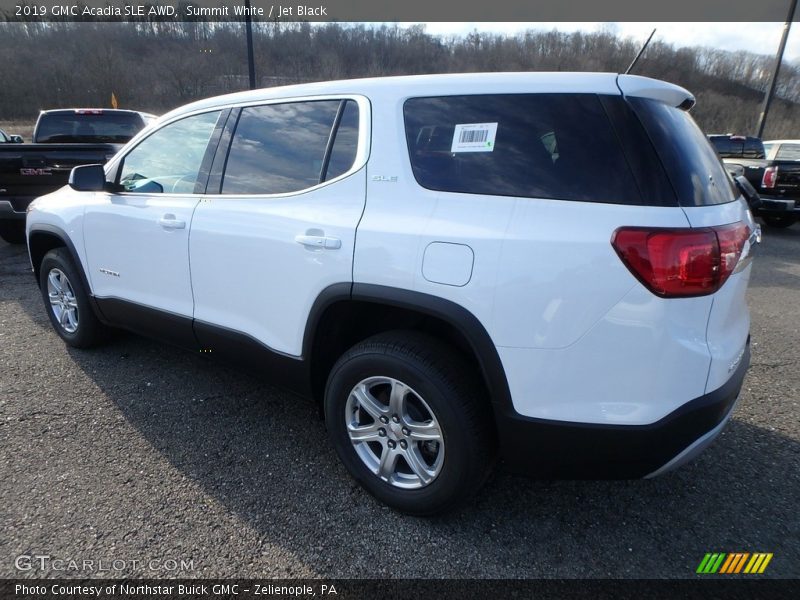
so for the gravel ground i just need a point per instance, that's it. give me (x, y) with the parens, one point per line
(141, 453)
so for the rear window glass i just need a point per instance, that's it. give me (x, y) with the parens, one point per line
(753, 148)
(788, 152)
(726, 147)
(737, 147)
(113, 128)
(558, 146)
(690, 161)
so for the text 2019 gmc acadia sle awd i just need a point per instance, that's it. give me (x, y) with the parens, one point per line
(548, 266)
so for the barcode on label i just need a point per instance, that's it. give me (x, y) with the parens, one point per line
(473, 137)
(468, 137)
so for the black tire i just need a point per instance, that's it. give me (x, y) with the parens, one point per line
(778, 222)
(88, 330)
(435, 373)
(12, 230)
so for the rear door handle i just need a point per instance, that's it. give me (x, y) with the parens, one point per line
(170, 222)
(318, 241)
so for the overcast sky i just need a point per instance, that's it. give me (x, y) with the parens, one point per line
(761, 38)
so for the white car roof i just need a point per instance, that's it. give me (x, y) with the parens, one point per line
(399, 88)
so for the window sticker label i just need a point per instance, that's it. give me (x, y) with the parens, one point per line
(474, 137)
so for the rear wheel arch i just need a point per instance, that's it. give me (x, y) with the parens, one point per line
(342, 317)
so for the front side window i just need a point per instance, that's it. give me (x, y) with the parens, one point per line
(169, 160)
(284, 148)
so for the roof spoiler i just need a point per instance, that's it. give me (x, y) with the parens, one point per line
(655, 89)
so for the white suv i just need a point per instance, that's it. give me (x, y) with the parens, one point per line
(548, 265)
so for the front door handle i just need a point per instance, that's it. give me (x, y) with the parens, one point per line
(318, 242)
(170, 222)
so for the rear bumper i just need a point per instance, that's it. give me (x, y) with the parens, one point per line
(559, 449)
(772, 205)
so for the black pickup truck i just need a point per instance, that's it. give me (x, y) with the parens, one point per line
(772, 168)
(62, 139)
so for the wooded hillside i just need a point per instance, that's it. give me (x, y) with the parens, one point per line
(157, 66)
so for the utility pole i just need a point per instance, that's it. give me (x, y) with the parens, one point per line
(251, 63)
(773, 80)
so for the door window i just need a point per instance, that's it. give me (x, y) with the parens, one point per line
(284, 148)
(169, 160)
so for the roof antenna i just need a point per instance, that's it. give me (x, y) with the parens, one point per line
(638, 56)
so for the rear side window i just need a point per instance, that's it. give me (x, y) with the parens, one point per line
(558, 146)
(788, 152)
(283, 148)
(692, 165)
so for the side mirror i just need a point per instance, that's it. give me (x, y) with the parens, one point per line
(16, 139)
(88, 178)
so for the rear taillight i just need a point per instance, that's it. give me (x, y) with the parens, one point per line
(678, 263)
(769, 178)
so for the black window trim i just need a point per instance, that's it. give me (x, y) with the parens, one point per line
(326, 159)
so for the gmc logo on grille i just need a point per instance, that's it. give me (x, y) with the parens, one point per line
(35, 172)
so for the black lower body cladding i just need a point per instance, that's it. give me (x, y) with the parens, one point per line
(564, 450)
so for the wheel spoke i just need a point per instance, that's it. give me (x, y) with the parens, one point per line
(72, 301)
(424, 432)
(418, 465)
(363, 433)
(397, 398)
(54, 298)
(72, 317)
(54, 280)
(63, 317)
(388, 464)
(369, 403)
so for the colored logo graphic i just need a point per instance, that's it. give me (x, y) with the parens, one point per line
(735, 562)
